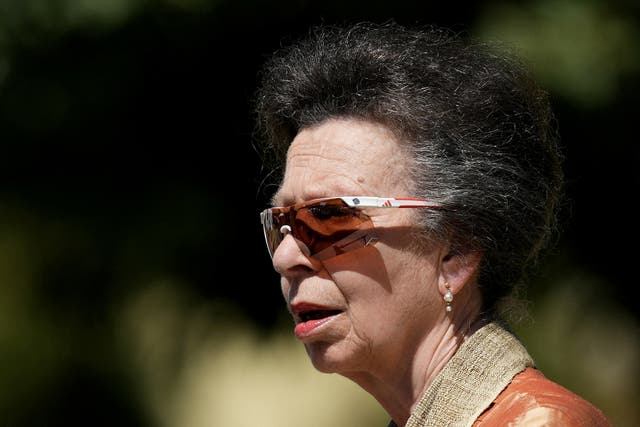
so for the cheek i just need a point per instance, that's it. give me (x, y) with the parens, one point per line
(384, 286)
(359, 272)
(382, 316)
(367, 302)
(363, 280)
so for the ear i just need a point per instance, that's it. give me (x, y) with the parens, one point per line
(458, 270)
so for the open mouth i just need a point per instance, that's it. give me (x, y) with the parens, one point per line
(311, 319)
(317, 314)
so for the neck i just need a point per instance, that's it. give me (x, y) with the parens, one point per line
(399, 381)
(398, 384)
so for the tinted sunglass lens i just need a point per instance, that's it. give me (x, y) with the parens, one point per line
(318, 225)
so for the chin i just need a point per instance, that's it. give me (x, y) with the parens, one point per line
(330, 358)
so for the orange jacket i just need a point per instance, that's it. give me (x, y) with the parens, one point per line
(533, 400)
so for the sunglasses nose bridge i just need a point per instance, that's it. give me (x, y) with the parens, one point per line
(288, 247)
(285, 229)
(291, 227)
(280, 221)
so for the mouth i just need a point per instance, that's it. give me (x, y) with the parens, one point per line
(305, 316)
(309, 318)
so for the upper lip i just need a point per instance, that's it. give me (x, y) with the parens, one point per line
(301, 307)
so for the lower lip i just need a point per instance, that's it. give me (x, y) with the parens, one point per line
(305, 329)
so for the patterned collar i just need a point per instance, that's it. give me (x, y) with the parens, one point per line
(482, 367)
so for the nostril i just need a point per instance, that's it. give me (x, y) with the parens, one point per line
(285, 229)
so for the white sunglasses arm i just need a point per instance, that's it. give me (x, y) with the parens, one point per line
(387, 202)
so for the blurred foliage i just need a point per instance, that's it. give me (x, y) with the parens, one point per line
(52, 342)
(34, 21)
(134, 286)
(584, 340)
(581, 50)
(202, 365)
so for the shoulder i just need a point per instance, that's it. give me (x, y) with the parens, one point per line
(531, 400)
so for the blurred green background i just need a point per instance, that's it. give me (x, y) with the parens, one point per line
(134, 286)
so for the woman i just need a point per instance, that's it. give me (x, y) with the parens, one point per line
(407, 302)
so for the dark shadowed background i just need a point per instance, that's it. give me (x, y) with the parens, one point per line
(135, 288)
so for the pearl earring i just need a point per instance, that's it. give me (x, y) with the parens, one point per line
(448, 297)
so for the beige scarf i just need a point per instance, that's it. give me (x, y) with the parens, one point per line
(482, 367)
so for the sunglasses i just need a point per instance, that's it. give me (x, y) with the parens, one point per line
(329, 226)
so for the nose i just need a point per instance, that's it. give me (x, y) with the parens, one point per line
(292, 256)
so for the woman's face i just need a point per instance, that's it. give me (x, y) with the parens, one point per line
(363, 310)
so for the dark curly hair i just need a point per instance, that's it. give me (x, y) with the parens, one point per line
(480, 130)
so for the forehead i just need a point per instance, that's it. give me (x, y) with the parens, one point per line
(344, 157)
